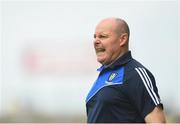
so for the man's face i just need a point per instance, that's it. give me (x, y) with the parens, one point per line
(106, 42)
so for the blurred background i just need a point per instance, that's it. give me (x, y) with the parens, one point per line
(48, 62)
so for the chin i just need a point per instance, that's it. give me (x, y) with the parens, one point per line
(100, 61)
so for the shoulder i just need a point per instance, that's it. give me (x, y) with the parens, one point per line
(136, 72)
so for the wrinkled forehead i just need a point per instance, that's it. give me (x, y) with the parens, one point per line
(106, 26)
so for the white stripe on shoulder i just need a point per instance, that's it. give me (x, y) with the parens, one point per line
(151, 85)
(148, 84)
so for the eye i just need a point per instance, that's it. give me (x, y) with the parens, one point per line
(103, 36)
(100, 36)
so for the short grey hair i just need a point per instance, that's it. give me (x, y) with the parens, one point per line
(122, 26)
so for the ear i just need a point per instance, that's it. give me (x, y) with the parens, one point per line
(123, 39)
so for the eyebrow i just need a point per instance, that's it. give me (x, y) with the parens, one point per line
(102, 33)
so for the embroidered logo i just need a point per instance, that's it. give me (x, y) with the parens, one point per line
(112, 76)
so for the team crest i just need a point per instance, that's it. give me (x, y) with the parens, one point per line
(112, 76)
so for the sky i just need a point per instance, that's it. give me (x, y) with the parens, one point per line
(47, 57)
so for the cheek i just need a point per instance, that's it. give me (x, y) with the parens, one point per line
(110, 50)
(111, 46)
(115, 47)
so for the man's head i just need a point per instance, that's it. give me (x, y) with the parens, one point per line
(111, 39)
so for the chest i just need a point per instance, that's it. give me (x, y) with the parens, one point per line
(107, 85)
(111, 95)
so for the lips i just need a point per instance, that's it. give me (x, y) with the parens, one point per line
(99, 50)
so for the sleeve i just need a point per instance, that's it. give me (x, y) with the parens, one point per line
(142, 91)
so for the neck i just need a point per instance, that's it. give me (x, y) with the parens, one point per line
(116, 58)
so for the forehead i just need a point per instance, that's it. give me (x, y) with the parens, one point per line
(106, 26)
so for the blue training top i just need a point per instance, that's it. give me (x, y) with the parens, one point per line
(125, 91)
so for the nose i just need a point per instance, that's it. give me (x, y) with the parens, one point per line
(96, 41)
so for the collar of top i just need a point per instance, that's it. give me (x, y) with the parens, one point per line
(119, 62)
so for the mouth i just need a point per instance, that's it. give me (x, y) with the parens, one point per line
(98, 50)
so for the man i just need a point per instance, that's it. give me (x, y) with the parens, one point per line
(125, 91)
